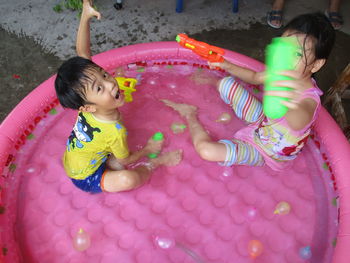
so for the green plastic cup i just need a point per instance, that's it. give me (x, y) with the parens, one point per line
(281, 55)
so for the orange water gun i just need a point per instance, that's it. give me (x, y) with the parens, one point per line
(206, 51)
(128, 86)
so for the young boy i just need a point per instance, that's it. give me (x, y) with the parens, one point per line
(97, 148)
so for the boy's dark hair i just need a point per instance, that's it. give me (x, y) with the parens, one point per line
(318, 26)
(70, 83)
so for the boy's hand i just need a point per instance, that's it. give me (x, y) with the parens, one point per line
(89, 11)
(153, 146)
(297, 85)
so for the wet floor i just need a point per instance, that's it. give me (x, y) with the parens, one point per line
(24, 64)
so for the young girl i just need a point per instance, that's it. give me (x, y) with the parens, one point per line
(264, 140)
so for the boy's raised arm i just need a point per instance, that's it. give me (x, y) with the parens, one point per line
(83, 36)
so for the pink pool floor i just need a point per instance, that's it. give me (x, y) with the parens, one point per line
(212, 211)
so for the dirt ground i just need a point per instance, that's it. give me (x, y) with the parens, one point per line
(24, 64)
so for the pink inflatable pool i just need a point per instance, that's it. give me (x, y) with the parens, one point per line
(194, 212)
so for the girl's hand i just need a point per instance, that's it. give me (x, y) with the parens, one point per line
(260, 77)
(223, 65)
(89, 11)
(297, 85)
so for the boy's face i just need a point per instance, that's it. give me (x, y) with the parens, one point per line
(102, 91)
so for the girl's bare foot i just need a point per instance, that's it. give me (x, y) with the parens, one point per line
(185, 110)
(168, 159)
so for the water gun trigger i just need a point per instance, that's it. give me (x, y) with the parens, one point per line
(128, 86)
(204, 50)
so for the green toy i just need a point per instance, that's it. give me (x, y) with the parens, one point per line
(281, 55)
(158, 136)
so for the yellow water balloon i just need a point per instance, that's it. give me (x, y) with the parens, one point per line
(282, 208)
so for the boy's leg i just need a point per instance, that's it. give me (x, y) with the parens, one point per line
(245, 105)
(116, 181)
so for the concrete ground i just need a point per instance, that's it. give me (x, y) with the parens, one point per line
(34, 39)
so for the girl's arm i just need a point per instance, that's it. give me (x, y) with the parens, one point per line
(300, 112)
(245, 74)
(301, 116)
(83, 35)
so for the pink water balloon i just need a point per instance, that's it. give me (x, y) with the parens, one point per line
(164, 241)
(251, 212)
(81, 240)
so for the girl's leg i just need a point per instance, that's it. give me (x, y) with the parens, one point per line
(334, 5)
(226, 152)
(206, 148)
(334, 15)
(278, 5)
(241, 153)
(116, 181)
(245, 105)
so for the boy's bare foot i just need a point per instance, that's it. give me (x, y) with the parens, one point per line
(168, 159)
(185, 110)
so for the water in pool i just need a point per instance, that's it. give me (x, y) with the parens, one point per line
(205, 212)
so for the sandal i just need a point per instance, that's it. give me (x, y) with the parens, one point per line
(274, 15)
(335, 18)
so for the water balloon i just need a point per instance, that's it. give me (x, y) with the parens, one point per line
(224, 118)
(282, 208)
(305, 252)
(81, 240)
(255, 248)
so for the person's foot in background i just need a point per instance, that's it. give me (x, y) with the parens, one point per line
(333, 14)
(118, 5)
(274, 17)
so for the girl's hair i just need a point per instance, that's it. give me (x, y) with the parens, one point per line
(318, 27)
(70, 83)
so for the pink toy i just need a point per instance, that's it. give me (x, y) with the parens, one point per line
(210, 213)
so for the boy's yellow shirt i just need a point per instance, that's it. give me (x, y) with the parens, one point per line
(90, 144)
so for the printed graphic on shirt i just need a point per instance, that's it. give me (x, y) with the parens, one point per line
(82, 132)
